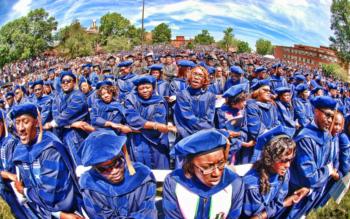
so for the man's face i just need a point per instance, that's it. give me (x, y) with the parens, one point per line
(235, 77)
(26, 128)
(47, 89)
(286, 97)
(125, 70)
(51, 76)
(38, 90)
(18, 95)
(85, 87)
(145, 91)
(333, 92)
(113, 170)
(323, 118)
(264, 94)
(111, 62)
(10, 100)
(155, 73)
(67, 84)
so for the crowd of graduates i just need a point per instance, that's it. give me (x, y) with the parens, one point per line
(82, 138)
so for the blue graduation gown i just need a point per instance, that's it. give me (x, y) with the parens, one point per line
(177, 85)
(163, 88)
(271, 202)
(7, 147)
(309, 168)
(276, 82)
(229, 83)
(216, 87)
(125, 85)
(149, 147)
(45, 104)
(285, 114)
(67, 109)
(134, 197)
(48, 176)
(261, 117)
(238, 124)
(103, 112)
(344, 154)
(189, 198)
(194, 110)
(303, 111)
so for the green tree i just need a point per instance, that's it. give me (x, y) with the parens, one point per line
(161, 33)
(75, 41)
(228, 40)
(204, 38)
(335, 70)
(115, 44)
(243, 47)
(27, 36)
(340, 25)
(263, 47)
(114, 24)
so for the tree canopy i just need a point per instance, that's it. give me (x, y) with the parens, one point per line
(340, 25)
(161, 33)
(204, 38)
(27, 36)
(263, 47)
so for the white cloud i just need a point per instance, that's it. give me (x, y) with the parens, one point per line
(21, 8)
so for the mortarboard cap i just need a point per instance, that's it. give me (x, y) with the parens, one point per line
(67, 73)
(236, 70)
(324, 102)
(235, 90)
(25, 108)
(125, 64)
(104, 83)
(259, 84)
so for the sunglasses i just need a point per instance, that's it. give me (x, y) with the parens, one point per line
(116, 163)
(327, 114)
(66, 81)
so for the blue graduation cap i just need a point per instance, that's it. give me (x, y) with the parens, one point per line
(332, 86)
(235, 90)
(103, 83)
(200, 142)
(315, 89)
(20, 87)
(260, 69)
(83, 80)
(87, 65)
(211, 70)
(109, 77)
(186, 63)
(25, 108)
(51, 71)
(259, 84)
(276, 65)
(236, 70)
(147, 79)
(301, 88)
(155, 67)
(48, 83)
(281, 90)
(2, 101)
(37, 82)
(100, 147)
(9, 94)
(67, 73)
(300, 77)
(324, 102)
(264, 139)
(125, 64)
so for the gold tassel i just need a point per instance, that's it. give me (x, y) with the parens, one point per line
(227, 149)
(131, 168)
(40, 137)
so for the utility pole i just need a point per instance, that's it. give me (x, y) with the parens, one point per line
(142, 28)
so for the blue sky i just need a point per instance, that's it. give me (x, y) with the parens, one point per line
(283, 22)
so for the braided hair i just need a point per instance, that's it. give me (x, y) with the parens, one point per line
(277, 148)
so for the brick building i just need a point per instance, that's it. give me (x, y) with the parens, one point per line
(308, 55)
(179, 41)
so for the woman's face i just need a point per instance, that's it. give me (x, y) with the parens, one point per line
(208, 168)
(286, 97)
(106, 95)
(197, 79)
(145, 91)
(156, 74)
(281, 167)
(338, 124)
(264, 94)
(240, 105)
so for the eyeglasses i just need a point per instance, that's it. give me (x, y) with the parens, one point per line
(17, 93)
(205, 171)
(266, 90)
(66, 81)
(198, 74)
(116, 163)
(327, 114)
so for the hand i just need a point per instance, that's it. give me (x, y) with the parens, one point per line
(83, 126)
(125, 129)
(162, 128)
(172, 128)
(64, 215)
(47, 126)
(251, 143)
(300, 194)
(19, 186)
(8, 175)
(335, 174)
(234, 134)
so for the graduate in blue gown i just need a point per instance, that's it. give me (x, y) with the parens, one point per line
(20, 94)
(10, 100)
(70, 111)
(43, 101)
(303, 111)
(147, 113)
(203, 188)
(277, 79)
(266, 184)
(315, 159)
(108, 113)
(215, 86)
(236, 77)
(46, 174)
(344, 148)
(8, 143)
(195, 106)
(163, 88)
(180, 82)
(231, 118)
(109, 189)
(285, 110)
(125, 80)
(261, 116)
(88, 91)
